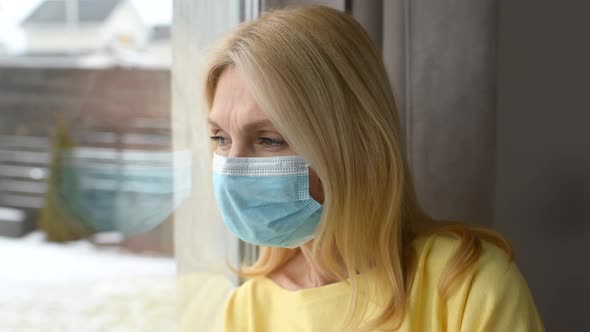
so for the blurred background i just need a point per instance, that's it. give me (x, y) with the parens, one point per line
(84, 106)
(493, 100)
(101, 69)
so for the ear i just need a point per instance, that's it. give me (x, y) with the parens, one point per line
(316, 189)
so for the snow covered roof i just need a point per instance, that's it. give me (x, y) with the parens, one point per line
(89, 11)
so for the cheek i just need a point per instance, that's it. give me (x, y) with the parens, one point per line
(316, 189)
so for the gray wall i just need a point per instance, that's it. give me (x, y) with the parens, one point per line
(542, 152)
(441, 57)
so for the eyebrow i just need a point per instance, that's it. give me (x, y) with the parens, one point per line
(252, 125)
(259, 124)
(213, 123)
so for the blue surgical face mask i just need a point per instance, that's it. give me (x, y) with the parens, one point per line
(266, 201)
(127, 192)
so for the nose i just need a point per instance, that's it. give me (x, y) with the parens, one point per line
(241, 150)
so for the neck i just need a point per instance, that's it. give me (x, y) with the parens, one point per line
(313, 276)
(301, 271)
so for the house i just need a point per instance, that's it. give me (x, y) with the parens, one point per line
(84, 27)
(158, 48)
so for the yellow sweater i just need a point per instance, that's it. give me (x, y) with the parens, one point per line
(492, 297)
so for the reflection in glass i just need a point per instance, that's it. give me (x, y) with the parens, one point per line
(86, 161)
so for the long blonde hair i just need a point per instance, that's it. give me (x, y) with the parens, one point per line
(321, 81)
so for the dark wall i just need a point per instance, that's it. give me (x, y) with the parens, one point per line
(543, 146)
(111, 99)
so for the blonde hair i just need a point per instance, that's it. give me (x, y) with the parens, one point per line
(321, 81)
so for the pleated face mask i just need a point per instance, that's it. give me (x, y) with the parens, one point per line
(266, 201)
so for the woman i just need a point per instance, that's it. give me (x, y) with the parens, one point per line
(310, 165)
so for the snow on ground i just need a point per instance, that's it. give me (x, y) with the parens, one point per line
(78, 287)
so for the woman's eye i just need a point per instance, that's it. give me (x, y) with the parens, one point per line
(271, 142)
(220, 140)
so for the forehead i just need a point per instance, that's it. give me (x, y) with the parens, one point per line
(233, 104)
